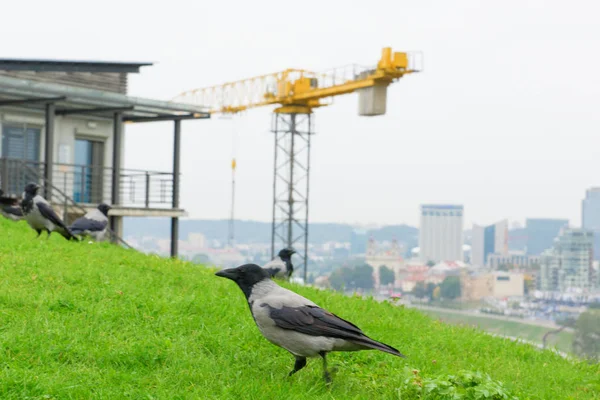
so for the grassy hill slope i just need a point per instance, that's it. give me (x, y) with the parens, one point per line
(82, 321)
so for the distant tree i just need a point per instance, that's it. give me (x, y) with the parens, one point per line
(436, 293)
(586, 342)
(429, 289)
(430, 263)
(419, 290)
(386, 275)
(450, 287)
(527, 284)
(311, 279)
(363, 277)
(360, 276)
(340, 278)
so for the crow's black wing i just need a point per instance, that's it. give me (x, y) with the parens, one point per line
(86, 224)
(48, 213)
(314, 321)
(14, 210)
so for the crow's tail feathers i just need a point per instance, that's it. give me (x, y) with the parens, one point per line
(67, 234)
(375, 345)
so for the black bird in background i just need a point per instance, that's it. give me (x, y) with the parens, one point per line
(10, 207)
(40, 215)
(93, 223)
(281, 266)
(295, 323)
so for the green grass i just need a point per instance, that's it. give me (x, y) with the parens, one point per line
(82, 321)
(562, 340)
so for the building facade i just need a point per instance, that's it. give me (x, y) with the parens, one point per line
(63, 127)
(541, 233)
(441, 233)
(590, 216)
(488, 240)
(567, 266)
(390, 258)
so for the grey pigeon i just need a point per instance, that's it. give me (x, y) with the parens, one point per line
(10, 208)
(281, 266)
(295, 323)
(93, 223)
(40, 215)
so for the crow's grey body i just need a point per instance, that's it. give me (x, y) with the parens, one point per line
(39, 214)
(93, 224)
(281, 266)
(295, 323)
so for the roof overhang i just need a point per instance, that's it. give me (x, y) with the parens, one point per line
(39, 65)
(68, 100)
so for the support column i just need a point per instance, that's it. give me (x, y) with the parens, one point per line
(176, 173)
(49, 150)
(116, 222)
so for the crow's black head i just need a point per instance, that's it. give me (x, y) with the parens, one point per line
(104, 208)
(286, 254)
(246, 276)
(32, 189)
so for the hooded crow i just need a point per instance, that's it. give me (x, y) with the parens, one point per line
(40, 215)
(281, 266)
(295, 323)
(93, 223)
(10, 208)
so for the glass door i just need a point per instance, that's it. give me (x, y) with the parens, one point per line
(88, 171)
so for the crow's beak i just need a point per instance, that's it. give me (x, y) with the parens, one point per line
(227, 273)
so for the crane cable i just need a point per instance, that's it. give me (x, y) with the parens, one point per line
(234, 140)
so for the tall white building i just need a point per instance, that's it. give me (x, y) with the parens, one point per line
(568, 265)
(441, 233)
(488, 240)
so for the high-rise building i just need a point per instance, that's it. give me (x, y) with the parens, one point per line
(488, 240)
(568, 264)
(441, 233)
(590, 216)
(541, 233)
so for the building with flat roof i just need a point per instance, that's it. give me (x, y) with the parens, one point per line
(488, 240)
(441, 233)
(568, 264)
(63, 126)
(541, 233)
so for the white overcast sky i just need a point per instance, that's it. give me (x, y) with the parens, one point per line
(505, 119)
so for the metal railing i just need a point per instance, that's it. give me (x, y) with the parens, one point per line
(26, 171)
(91, 184)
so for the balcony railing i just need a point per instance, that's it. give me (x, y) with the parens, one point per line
(90, 183)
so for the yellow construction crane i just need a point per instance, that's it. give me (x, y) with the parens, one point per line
(297, 92)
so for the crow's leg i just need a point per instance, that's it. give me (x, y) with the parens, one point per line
(298, 365)
(39, 232)
(326, 374)
(49, 232)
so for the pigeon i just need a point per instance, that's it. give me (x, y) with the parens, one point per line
(281, 266)
(93, 223)
(40, 215)
(10, 208)
(295, 323)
